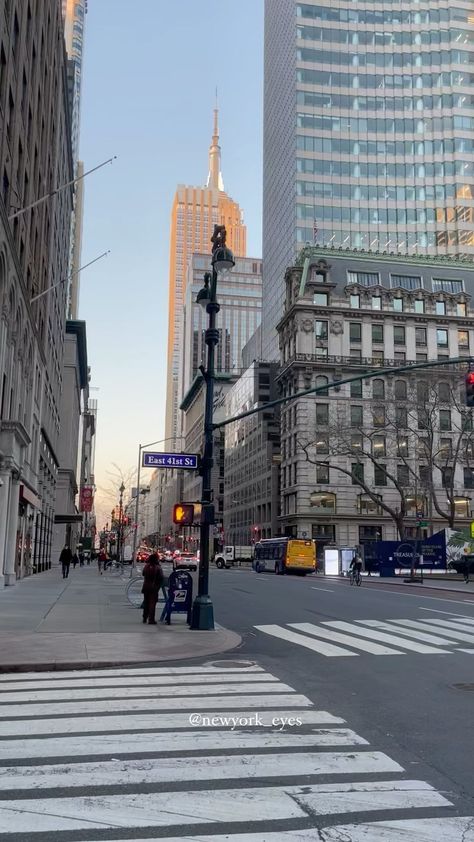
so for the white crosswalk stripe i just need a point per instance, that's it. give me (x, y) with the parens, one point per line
(336, 638)
(199, 783)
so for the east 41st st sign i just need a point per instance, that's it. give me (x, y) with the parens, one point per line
(188, 461)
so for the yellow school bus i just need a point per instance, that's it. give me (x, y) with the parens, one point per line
(285, 555)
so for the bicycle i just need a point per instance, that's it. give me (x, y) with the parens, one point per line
(133, 592)
(115, 568)
(356, 577)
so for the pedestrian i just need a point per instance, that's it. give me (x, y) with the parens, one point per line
(467, 569)
(152, 582)
(65, 558)
(81, 559)
(101, 559)
(75, 560)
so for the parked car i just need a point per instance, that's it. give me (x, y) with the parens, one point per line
(186, 561)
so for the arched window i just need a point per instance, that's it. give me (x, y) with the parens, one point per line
(325, 501)
(378, 389)
(320, 382)
(400, 390)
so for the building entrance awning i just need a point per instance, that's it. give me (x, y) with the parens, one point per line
(73, 518)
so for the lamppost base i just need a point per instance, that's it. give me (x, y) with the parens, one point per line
(202, 616)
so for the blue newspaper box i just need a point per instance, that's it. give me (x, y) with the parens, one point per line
(180, 596)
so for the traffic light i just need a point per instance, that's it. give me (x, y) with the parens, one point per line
(183, 514)
(470, 388)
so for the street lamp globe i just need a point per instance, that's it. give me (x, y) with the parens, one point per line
(204, 295)
(223, 259)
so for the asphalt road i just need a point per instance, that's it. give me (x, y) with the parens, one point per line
(410, 704)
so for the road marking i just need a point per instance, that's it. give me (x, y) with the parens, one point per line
(365, 645)
(468, 651)
(437, 611)
(135, 682)
(130, 673)
(386, 638)
(209, 768)
(418, 635)
(429, 626)
(232, 805)
(326, 649)
(456, 829)
(313, 588)
(151, 693)
(151, 721)
(465, 621)
(457, 625)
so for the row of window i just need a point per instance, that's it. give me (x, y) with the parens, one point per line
(369, 279)
(405, 104)
(357, 191)
(401, 420)
(375, 81)
(383, 125)
(380, 38)
(399, 334)
(402, 148)
(399, 305)
(444, 391)
(402, 171)
(325, 502)
(385, 216)
(402, 447)
(404, 476)
(400, 59)
(385, 17)
(415, 242)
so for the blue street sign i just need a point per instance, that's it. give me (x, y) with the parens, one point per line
(170, 460)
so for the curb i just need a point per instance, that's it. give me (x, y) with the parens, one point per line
(389, 581)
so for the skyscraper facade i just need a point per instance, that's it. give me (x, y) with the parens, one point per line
(195, 212)
(368, 132)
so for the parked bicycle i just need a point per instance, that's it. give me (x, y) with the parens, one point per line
(113, 567)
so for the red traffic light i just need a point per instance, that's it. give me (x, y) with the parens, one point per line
(469, 380)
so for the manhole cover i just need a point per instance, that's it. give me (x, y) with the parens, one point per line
(231, 664)
(463, 686)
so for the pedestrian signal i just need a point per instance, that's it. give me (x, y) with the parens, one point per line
(470, 388)
(183, 514)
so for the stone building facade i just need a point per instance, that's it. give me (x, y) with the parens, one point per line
(406, 435)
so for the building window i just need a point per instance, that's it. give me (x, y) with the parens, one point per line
(320, 299)
(323, 532)
(403, 475)
(356, 389)
(322, 474)
(322, 444)
(377, 333)
(376, 302)
(466, 421)
(367, 506)
(378, 389)
(420, 336)
(425, 476)
(322, 414)
(444, 392)
(367, 532)
(378, 415)
(355, 354)
(440, 308)
(442, 338)
(419, 305)
(378, 446)
(355, 331)
(380, 477)
(402, 446)
(400, 356)
(398, 335)
(378, 355)
(357, 443)
(322, 383)
(321, 330)
(445, 419)
(322, 353)
(463, 339)
(400, 390)
(323, 500)
(461, 309)
(444, 285)
(397, 305)
(421, 358)
(356, 416)
(447, 476)
(355, 302)
(422, 392)
(446, 449)
(366, 279)
(357, 470)
(406, 281)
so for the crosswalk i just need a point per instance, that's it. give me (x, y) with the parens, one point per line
(205, 753)
(339, 638)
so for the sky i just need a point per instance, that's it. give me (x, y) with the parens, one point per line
(149, 78)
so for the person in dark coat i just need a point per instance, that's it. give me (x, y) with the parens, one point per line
(152, 582)
(65, 558)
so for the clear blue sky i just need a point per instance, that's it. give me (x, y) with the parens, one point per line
(150, 73)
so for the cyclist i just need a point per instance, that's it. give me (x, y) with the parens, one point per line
(355, 566)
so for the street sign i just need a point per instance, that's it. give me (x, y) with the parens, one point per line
(419, 513)
(188, 461)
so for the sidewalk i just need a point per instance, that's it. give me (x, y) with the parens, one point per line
(85, 621)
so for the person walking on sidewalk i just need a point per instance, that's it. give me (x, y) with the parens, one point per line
(101, 559)
(152, 582)
(65, 558)
(75, 560)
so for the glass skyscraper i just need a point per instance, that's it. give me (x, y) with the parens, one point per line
(368, 132)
